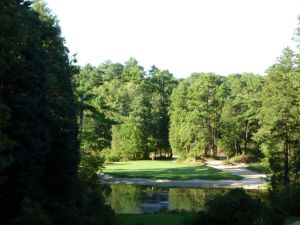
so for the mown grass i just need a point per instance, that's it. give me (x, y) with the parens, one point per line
(259, 168)
(171, 170)
(151, 219)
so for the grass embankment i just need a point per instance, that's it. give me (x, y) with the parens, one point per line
(150, 219)
(291, 220)
(259, 168)
(170, 170)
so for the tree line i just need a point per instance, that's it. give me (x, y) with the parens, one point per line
(59, 122)
(127, 113)
(124, 110)
(242, 114)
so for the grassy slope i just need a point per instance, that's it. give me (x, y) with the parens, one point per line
(291, 220)
(150, 219)
(259, 168)
(166, 170)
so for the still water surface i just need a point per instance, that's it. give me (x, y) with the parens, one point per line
(144, 199)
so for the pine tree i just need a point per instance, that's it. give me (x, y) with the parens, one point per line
(279, 134)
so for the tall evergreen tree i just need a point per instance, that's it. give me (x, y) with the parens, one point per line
(239, 119)
(279, 134)
(23, 104)
(38, 134)
(159, 86)
(60, 178)
(195, 121)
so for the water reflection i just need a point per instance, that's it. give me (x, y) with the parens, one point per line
(124, 198)
(141, 199)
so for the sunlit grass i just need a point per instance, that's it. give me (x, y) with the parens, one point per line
(259, 168)
(155, 169)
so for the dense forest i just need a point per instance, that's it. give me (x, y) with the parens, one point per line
(60, 122)
(127, 113)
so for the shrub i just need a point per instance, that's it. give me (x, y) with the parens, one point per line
(91, 162)
(32, 214)
(93, 211)
(287, 200)
(242, 159)
(235, 208)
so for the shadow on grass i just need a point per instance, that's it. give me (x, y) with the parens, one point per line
(149, 219)
(183, 173)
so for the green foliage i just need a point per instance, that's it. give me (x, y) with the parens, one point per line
(242, 159)
(128, 140)
(147, 219)
(159, 86)
(90, 163)
(287, 200)
(32, 215)
(94, 125)
(124, 198)
(126, 113)
(137, 104)
(94, 212)
(236, 208)
(191, 200)
(261, 167)
(39, 154)
(110, 156)
(239, 119)
(279, 134)
(195, 115)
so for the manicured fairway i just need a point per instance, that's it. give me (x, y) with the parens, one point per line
(171, 170)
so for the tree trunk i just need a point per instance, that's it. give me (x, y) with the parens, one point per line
(206, 151)
(80, 119)
(246, 138)
(214, 149)
(286, 162)
(237, 147)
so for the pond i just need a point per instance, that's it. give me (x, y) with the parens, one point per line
(133, 199)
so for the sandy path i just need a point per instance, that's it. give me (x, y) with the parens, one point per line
(252, 180)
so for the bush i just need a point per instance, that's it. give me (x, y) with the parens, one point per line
(287, 200)
(110, 155)
(242, 159)
(236, 208)
(32, 214)
(93, 211)
(91, 162)
(259, 168)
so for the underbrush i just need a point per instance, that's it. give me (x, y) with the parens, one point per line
(259, 167)
(153, 218)
(236, 207)
(242, 159)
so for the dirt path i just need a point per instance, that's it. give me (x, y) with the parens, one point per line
(252, 180)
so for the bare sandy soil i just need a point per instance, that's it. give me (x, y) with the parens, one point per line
(251, 180)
